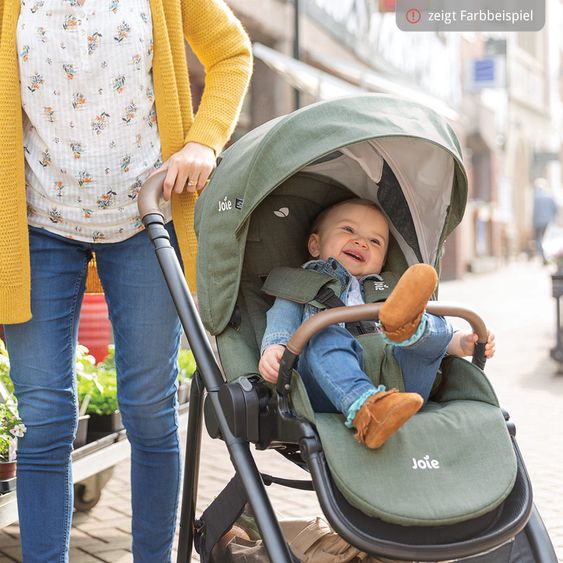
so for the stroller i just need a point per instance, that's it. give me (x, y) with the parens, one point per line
(451, 484)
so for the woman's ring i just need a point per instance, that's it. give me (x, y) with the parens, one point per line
(192, 183)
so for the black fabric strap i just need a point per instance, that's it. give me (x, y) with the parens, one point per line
(218, 518)
(328, 298)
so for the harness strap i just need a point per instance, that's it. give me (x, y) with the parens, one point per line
(328, 298)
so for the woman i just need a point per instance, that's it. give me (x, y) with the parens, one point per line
(106, 100)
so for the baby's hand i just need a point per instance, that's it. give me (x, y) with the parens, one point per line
(467, 342)
(269, 365)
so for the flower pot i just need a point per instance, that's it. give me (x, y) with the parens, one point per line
(7, 470)
(7, 486)
(101, 425)
(184, 392)
(94, 329)
(81, 432)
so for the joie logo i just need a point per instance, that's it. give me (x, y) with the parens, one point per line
(425, 463)
(380, 286)
(225, 205)
(282, 212)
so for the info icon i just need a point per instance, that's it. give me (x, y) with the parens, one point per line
(413, 16)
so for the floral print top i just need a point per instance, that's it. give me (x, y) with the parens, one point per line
(90, 128)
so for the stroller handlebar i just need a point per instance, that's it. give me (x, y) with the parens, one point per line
(370, 312)
(150, 194)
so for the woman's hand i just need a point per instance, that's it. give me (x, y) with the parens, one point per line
(188, 169)
(269, 365)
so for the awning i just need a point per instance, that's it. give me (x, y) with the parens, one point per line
(324, 86)
(374, 82)
(319, 84)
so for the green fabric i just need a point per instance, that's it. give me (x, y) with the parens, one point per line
(380, 363)
(467, 437)
(268, 156)
(302, 286)
(375, 291)
(299, 285)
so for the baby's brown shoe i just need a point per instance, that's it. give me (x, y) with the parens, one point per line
(383, 414)
(400, 315)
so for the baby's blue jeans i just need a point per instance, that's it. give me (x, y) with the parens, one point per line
(147, 334)
(331, 365)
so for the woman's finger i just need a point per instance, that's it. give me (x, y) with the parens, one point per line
(193, 180)
(169, 182)
(182, 179)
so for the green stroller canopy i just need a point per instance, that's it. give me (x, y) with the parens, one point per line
(371, 144)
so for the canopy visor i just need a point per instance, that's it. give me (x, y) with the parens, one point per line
(424, 172)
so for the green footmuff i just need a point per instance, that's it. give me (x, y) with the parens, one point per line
(451, 462)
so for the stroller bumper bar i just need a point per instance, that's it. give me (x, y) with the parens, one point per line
(369, 312)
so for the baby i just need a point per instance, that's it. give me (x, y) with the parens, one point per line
(349, 241)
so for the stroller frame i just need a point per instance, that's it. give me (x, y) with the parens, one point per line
(288, 428)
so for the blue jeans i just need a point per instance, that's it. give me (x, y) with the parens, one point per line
(42, 351)
(331, 365)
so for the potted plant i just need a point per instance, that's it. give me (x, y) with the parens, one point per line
(11, 428)
(186, 369)
(5, 369)
(97, 384)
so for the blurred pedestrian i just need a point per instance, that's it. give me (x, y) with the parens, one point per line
(94, 96)
(544, 212)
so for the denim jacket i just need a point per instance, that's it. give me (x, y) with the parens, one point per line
(285, 316)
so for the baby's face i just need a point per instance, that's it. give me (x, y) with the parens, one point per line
(356, 235)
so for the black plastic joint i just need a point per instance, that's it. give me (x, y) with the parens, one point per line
(309, 447)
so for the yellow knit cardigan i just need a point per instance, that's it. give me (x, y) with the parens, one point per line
(219, 42)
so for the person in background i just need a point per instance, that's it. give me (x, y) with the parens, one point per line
(543, 213)
(94, 97)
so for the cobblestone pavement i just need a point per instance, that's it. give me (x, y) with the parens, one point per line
(515, 301)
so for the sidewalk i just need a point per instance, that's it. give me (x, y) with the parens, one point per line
(516, 302)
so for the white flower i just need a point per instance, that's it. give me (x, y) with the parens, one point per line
(18, 431)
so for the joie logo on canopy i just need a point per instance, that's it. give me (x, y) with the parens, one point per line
(226, 204)
(282, 212)
(425, 463)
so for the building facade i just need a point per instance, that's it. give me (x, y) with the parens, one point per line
(505, 126)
